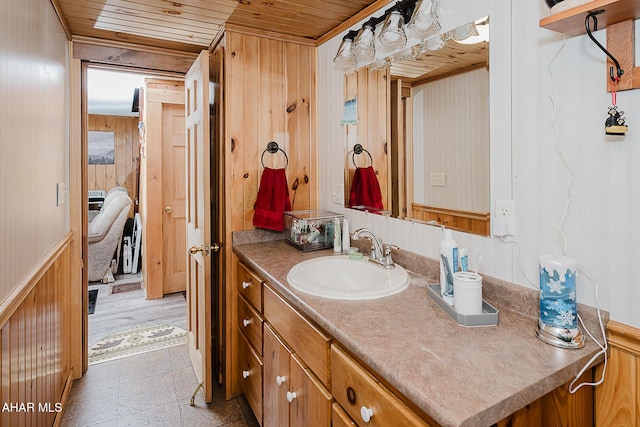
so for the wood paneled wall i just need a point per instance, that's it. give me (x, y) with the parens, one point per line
(370, 89)
(618, 397)
(270, 92)
(127, 153)
(269, 88)
(35, 342)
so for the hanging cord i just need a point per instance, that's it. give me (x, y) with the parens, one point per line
(603, 347)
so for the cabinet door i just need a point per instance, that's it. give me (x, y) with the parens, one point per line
(310, 402)
(276, 380)
(250, 368)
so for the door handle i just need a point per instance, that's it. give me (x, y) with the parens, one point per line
(168, 209)
(206, 250)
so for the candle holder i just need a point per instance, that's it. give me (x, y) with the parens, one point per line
(558, 320)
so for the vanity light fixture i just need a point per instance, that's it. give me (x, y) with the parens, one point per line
(392, 34)
(345, 57)
(424, 19)
(364, 43)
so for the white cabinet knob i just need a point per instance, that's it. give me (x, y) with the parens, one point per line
(291, 395)
(280, 379)
(246, 322)
(245, 374)
(366, 414)
(245, 285)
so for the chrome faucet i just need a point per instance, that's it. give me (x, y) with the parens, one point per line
(380, 254)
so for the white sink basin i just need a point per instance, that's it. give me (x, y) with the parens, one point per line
(339, 277)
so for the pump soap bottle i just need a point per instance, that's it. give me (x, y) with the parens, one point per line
(448, 265)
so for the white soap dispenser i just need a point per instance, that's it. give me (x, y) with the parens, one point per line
(448, 265)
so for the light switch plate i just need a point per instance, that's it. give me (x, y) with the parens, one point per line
(436, 179)
(61, 192)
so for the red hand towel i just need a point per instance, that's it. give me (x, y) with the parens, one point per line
(272, 200)
(365, 189)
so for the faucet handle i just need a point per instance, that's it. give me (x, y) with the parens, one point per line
(387, 249)
(388, 261)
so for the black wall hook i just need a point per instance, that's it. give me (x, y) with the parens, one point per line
(593, 16)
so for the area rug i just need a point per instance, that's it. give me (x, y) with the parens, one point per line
(140, 339)
(93, 298)
(117, 288)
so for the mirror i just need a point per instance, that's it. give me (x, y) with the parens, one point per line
(423, 123)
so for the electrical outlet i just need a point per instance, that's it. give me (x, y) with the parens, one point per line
(506, 210)
(337, 194)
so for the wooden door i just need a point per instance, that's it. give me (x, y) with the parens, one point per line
(198, 223)
(173, 195)
(311, 403)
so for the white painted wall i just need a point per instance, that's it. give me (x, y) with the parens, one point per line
(526, 164)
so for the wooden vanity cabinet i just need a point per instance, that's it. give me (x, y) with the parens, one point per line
(281, 352)
(283, 360)
(249, 324)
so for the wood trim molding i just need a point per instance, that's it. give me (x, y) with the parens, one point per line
(624, 336)
(266, 34)
(365, 13)
(60, 15)
(132, 56)
(472, 222)
(13, 301)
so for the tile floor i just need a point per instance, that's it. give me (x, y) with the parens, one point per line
(149, 389)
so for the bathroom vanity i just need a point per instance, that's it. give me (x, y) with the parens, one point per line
(398, 360)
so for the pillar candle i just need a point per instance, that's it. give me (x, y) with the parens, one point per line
(558, 306)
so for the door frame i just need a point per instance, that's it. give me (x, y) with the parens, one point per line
(81, 56)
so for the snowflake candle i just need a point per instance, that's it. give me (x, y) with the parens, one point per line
(558, 323)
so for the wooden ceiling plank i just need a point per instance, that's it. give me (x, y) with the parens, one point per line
(149, 6)
(153, 32)
(87, 12)
(158, 20)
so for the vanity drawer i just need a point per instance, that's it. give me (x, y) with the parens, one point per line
(250, 286)
(354, 388)
(250, 323)
(301, 336)
(250, 373)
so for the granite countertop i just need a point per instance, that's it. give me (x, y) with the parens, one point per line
(459, 376)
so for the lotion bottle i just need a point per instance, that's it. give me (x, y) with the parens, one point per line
(346, 238)
(337, 235)
(448, 254)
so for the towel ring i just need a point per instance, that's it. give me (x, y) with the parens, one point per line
(358, 149)
(272, 147)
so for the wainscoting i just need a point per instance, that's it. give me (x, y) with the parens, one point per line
(618, 397)
(35, 342)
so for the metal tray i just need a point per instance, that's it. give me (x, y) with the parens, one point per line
(489, 316)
